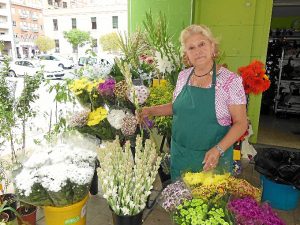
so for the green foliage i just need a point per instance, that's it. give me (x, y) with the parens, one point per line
(132, 47)
(109, 42)
(44, 43)
(197, 211)
(161, 95)
(1, 46)
(161, 41)
(77, 37)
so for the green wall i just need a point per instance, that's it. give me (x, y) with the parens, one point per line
(241, 25)
(283, 22)
(178, 13)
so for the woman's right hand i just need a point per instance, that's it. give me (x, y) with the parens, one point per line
(146, 112)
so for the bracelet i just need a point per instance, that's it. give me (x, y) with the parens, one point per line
(220, 150)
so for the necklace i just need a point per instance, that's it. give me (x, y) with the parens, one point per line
(203, 75)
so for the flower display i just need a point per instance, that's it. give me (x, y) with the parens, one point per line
(107, 87)
(207, 185)
(116, 118)
(247, 212)
(79, 119)
(96, 116)
(174, 195)
(57, 175)
(254, 77)
(126, 180)
(139, 94)
(197, 211)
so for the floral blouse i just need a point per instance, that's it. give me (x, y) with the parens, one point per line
(229, 91)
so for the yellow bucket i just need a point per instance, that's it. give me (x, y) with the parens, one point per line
(69, 215)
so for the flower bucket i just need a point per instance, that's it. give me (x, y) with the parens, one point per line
(29, 216)
(73, 214)
(128, 220)
(11, 202)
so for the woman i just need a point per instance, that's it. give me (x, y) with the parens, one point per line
(208, 108)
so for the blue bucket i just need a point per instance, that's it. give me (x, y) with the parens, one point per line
(280, 196)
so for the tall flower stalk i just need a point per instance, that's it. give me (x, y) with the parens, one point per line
(126, 180)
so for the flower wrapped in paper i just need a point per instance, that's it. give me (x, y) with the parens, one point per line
(58, 175)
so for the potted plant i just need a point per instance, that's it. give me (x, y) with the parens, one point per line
(58, 178)
(27, 213)
(127, 179)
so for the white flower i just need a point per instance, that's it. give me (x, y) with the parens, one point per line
(163, 64)
(115, 118)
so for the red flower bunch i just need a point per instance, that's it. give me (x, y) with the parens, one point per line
(254, 77)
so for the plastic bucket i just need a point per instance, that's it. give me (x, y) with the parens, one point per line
(128, 220)
(69, 215)
(280, 196)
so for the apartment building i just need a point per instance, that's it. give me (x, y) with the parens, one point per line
(27, 23)
(97, 17)
(6, 32)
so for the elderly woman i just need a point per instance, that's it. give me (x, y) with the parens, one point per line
(208, 108)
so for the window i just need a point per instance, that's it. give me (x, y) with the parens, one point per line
(56, 46)
(75, 49)
(115, 22)
(74, 23)
(55, 24)
(50, 2)
(94, 23)
(65, 5)
(41, 27)
(14, 23)
(94, 45)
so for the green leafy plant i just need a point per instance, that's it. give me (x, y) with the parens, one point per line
(13, 111)
(161, 95)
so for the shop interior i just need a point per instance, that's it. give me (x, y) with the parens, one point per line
(280, 109)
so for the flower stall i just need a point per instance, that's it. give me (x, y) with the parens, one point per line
(209, 198)
(57, 177)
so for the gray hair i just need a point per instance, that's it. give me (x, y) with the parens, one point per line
(198, 29)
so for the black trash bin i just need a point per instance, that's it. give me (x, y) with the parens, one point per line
(280, 170)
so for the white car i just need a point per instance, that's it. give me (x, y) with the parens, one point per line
(59, 60)
(31, 67)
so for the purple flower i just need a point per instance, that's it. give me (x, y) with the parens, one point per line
(107, 88)
(247, 212)
(148, 123)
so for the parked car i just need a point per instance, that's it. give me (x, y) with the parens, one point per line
(31, 67)
(59, 60)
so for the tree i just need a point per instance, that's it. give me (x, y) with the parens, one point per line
(77, 37)
(44, 43)
(1, 46)
(109, 42)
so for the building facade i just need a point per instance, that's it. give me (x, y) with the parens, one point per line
(97, 17)
(6, 32)
(27, 22)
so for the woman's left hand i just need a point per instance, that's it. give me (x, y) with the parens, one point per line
(211, 159)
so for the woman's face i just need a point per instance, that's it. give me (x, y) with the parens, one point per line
(199, 50)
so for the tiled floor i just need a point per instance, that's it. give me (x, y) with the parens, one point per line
(98, 212)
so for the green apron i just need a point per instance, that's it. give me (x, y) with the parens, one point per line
(195, 130)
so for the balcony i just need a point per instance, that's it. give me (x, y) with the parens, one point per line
(34, 17)
(24, 28)
(35, 29)
(6, 37)
(23, 16)
(4, 25)
(4, 12)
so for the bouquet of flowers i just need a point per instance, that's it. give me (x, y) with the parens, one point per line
(198, 211)
(126, 180)
(58, 175)
(247, 212)
(254, 77)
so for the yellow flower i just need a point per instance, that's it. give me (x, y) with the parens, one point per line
(78, 85)
(96, 116)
